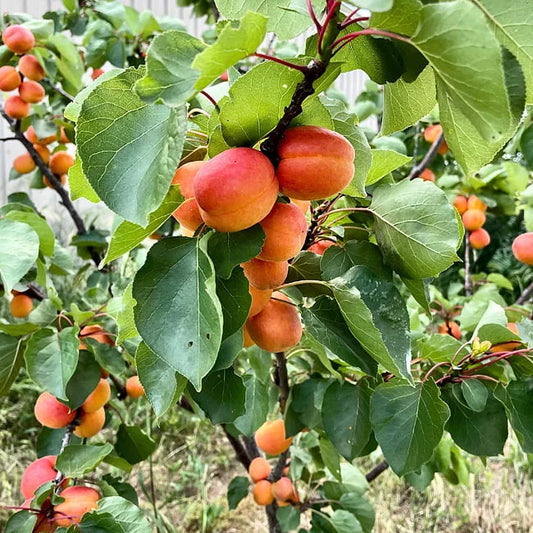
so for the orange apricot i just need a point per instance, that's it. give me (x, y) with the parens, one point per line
(473, 219)
(315, 163)
(98, 397)
(283, 490)
(38, 473)
(259, 469)
(523, 248)
(24, 163)
(236, 189)
(259, 300)
(43, 152)
(63, 136)
(18, 39)
(97, 333)
(277, 327)
(9, 78)
(30, 67)
(265, 275)
(15, 107)
(302, 204)
(90, 423)
(96, 73)
(475, 203)
(188, 215)
(185, 175)
(60, 162)
(155, 236)
(263, 492)
(479, 238)
(32, 92)
(21, 305)
(78, 501)
(62, 179)
(285, 230)
(247, 340)
(432, 132)
(270, 437)
(450, 328)
(321, 246)
(134, 388)
(51, 413)
(427, 175)
(461, 204)
(31, 135)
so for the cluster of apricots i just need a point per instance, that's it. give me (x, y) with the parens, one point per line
(239, 188)
(472, 211)
(79, 499)
(20, 305)
(523, 248)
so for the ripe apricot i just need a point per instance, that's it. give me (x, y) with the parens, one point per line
(427, 175)
(302, 204)
(24, 163)
(270, 437)
(30, 67)
(523, 248)
(432, 132)
(43, 152)
(285, 230)
(78, 501)
(479, 238)
(185, 175)
(62, 179)
(18, 39)
(321, 246)
(90, 423)
(283, 490)
(21, 305)
(32, 92)
(134, 388)
(63, 136)
(507, 346)
(38, 473)
(461, 204)
(277, 327)
(315, 163)
(51, 413)
(259, 300)
(259, 469)
(263, 492)
(60, 162)
(450, 328)
(473, 219)
(247, 340)
(97, 333)
(265, 275)
(188, 215)
(15, 107)
(9, 78)
(236, 189)
(96, 73)
(475, 203)
(98, 397)
(31, 135)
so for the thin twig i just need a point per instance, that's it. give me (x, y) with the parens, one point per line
(428, 158)
(282, 380)
(527, 293)
(468, 279)
(377, 471)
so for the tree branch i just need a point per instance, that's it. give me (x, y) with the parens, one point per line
(526, 295)
(240, 451)
(468, 279)
(377, 471)
(428, 158)
(282, 380)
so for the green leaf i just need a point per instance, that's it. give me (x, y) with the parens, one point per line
(441, 348)
(78, 460)
(108, 357)
(138, 147)
(475, 394)
(133, 444)
(330, 457)
(408, 423)
(256, 406)
(11, 358)
(178, 313)
(229, 350)
(375, 5)
(288, 518)
(121, 308)
(416, 228)
(235, 299)
(39, 225)
(19, 249)
(361, 508)
(21, 522)
(79, 185)
(237, 490)
(402, 18)
(68, 62)
(83, 381)
(345, 522)
(384, 162)
(419, 289)
(306, 401)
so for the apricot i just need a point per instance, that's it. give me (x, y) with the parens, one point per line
(473, 219)
(51, 413)
(450, 328)
(9, 78)
(97, 333)
(263, 492)
(43, 152)
(427, 175)
(15, 107)
(315, 163)
(270, 437)
(479, 238)
(134, 388)
(60, 162)
(30, 67)
(523, 248)
(302, 204)
(247, 340)
(475, 203)
(285, 230)
(283, 490)
(188, 215)
(432, 132)
(224, 76)
(277, 327)
(62, 179)
(24, 163)
(96, 73)
(236, 189)
(38, 473)
(78, 501)
(18, 39)
(187, 232)
(31, 135)
(185, 175)
(259, 469)
(21, 305)
(265, 275)
(32, 92)
(461, 204)
(90, 423)
(321, 246)
(259, 300)
(98, 397)
(63, 136)
(155, 236)
(510, 345)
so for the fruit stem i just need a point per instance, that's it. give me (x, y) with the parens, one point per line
(302, 282)
(313, 16)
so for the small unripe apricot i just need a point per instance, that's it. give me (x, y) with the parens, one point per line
(427, 175)
(450, 328)
(62, 179)
(259, 469)
(479, 238)
(263, 492)
(277, 327)
(188, 215)
(30, 67)
(38, 473)
(265, 275)
(236, 189)
(32, 92)
(283, 490)
(315, 163)
(51, 413)
(461, 204)
(321, 246)
(90, 423)
(24, 163)
(523, 248)
(134, 388)
(31, 135)
(185, 175)
(96, 73)
(285, 230)
(9, 78)
(21, 305)
(15, 107)
(97, 333)
(43, 152)
(98, 397)
(473, 219)
(18, 39)
(60, 162)
(270, 437)
(259, 299)
(475, 203)
(78, 501)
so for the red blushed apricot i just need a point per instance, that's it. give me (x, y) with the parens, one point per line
(315, 163)
(259, 469)
(263, 492)
(188, 215)
(9, 78)
(185, 175)
(90, 423)
(523, 248)
(285, 230)
(18, 39)
(479, 238)
(432, 132)
(321, 246)
(236, 189)
(134, 389)
(259, 300)
(247, 340)
(38, 473)
(15, 107)
(78, 501)
(96, 73)
(265, 275)
(32, 92)
(427, 175)
(473, 219)
(62, 179)
(284, 491)
(302, 204)
(24, 163)
(450, 328)
(475, 203)
(30, 68)
(271, 439)
(461, 204)
(60, 162)
(98, 397)
(32, 137)
(51, 413)
(21, 305)
(43, 152)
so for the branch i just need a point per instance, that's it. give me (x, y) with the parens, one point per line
(526, 295)
(59, 90)
(282, 380)
(468, 279)
(428, 158)
(64, 443)
(377, 471)
(240, 451)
